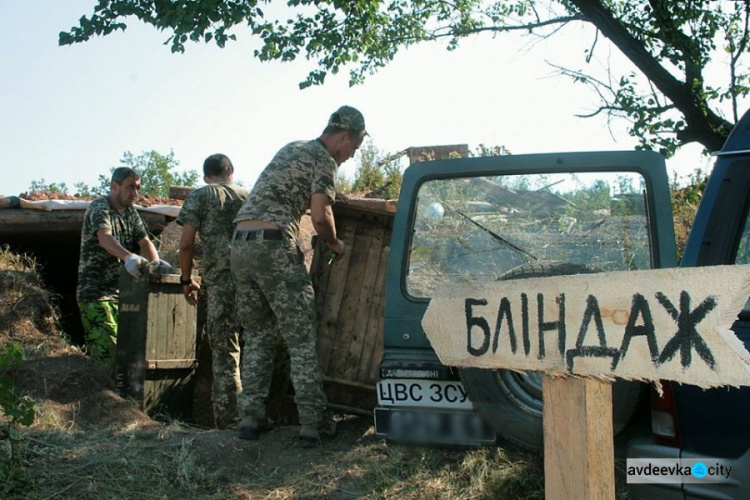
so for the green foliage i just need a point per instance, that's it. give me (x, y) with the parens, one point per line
(83, 189)
(157, 172)
(41, 186)
(668, 100)
(685, 201)
(377, 173)
(18, 410)
(369, 174)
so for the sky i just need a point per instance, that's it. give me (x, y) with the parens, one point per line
(69, 113)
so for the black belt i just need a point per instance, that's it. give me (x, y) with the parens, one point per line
(257, 234)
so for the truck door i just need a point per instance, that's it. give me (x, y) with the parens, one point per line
(487, 219)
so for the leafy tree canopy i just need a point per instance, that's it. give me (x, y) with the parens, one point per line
(670, 43)
(157, 172)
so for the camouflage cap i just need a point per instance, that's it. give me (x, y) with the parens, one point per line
(347, 118)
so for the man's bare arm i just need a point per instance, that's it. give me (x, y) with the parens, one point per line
(324, 222)
(187, 249)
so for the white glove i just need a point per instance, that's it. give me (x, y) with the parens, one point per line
(160, 266)
(133, 264)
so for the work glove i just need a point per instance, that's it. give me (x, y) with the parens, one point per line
(160, 266)
(133, 264)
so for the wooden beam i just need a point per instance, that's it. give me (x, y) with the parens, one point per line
(579, 458)
(24, 221)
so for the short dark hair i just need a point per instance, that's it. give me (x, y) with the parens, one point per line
(217, 165)
(121, 173)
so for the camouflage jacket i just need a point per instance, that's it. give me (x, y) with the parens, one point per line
(98, 270)
(211, 209)
(281, 194)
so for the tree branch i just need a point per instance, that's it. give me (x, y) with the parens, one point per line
(701, 120)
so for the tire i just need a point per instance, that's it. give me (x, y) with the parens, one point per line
(511, 402)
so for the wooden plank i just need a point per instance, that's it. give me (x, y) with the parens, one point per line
(26, 221)
(353, 289)
(131, 335)
(360, 336)
(350, 383)
(330, 314)
(671, 324)
(579, 456)
(170, 364)
(154, 350)
(320, 275)
(372, 353)
(179, 342)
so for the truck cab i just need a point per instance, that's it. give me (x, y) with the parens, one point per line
(470, 220)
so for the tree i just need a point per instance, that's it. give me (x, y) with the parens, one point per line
(42, 186)
(666, 96)
(377, 174)
(156, 170)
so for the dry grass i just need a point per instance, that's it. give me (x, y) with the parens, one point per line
(87, 443)
(175, 462)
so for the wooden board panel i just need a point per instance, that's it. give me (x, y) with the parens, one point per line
(372, 352)
(350, 299)
(329, 315)
(156, 351)
(363, 339)
(347, 328)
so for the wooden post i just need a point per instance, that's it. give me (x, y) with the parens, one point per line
(579, 458)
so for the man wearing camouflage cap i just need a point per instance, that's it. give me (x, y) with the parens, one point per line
(209, 211)
(274, 294)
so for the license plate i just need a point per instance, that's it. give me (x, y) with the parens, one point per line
(423, 394)
(432, 427)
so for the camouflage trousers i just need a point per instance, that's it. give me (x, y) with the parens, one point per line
(222, 330)
(99, 318)
(275, 297)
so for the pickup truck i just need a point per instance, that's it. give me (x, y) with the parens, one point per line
(510, 217)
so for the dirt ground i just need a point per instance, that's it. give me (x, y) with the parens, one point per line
(87, 442)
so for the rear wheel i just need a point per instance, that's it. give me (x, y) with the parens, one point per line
(511, 402)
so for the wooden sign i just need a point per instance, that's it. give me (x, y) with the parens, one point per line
(668, 324)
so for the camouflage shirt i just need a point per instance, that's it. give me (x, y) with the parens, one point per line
(281, 194)
(210, 210)
(98, 270)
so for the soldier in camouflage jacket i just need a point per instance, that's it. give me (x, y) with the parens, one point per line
(112, 231)
(274, 294)
(209, 212)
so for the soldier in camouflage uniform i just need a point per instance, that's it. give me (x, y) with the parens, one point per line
(274, 293)
(209, 212)
(112, 231)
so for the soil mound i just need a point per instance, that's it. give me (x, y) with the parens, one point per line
(65, 384)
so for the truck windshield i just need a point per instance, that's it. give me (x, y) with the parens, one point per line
(478, 228)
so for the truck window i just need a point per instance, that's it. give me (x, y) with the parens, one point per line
(477, 228)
